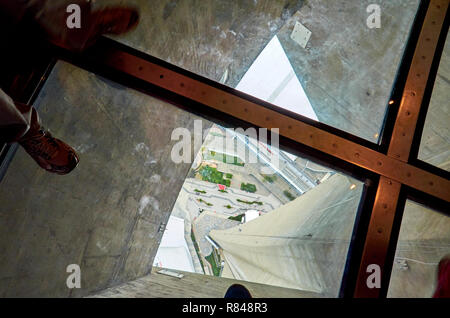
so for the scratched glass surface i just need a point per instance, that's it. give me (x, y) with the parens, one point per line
(435, 144)
(424, 241)
(332, 61)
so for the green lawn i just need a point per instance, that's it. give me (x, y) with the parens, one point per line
(197, 250)
(248, 202)
(224, 158)
(270, 179)
(212, 261)
(203, 201)
(236, 218)
(213, 175)
(248, 187)
(288, 195)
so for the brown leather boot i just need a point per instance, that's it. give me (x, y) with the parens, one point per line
(50, 153)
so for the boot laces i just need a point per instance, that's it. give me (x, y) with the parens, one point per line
(42, 145)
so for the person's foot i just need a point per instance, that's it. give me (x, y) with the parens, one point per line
(50, 153)
(237, 291)
(443, 281)
(52, 18)
(116, 21)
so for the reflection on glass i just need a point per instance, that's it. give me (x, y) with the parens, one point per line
(435, 145)
(423, 242)
(262, 216)
(321, 59)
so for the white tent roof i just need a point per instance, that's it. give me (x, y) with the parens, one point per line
(173, 252)
(251, 215)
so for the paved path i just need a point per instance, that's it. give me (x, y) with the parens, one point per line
(190, 244)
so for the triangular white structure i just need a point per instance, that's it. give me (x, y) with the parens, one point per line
(272, 78)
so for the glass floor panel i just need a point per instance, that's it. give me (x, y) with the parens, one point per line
(261, 215)
(424, 240)
(435, 144)
(326, 60)
(158, 186)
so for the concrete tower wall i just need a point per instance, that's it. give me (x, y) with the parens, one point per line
(301, 245)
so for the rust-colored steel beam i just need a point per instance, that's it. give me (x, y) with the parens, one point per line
(382, 219)
(289, 127)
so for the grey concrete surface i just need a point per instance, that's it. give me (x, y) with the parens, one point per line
(301, 245)
(423, 241)
(435, 143)
(211, 37)
(347, 70)
(105, 215)
(206, 222)
(187, 236)
(162, 286)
